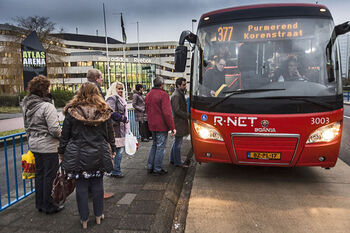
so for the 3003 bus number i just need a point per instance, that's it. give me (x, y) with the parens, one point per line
(319, 120)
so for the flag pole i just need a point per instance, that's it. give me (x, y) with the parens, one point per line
(126, 80)
(125, 68)
(138, 52)
(104, 19)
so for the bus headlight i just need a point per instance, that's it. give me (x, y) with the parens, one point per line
(325, 134)
(206, 131)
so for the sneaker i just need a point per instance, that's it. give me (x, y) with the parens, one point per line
(149, 171)
(117, 175)
(182, 165)
(171, 162)
(144, 140)
(160, 173)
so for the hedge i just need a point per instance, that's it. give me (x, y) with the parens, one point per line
(60, 97)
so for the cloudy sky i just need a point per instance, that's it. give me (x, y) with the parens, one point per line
(159, 20)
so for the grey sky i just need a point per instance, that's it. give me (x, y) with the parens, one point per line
(159, 20)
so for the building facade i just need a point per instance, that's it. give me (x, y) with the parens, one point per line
(129, 63)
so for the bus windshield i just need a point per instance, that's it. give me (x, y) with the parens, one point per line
(284, 57)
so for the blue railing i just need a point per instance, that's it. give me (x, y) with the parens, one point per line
(12, 187)
(134, 128)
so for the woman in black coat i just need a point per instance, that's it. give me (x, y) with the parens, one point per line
(86, 147)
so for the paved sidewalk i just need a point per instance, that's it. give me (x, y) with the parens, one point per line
(142, 202)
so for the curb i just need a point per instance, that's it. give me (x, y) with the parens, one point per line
(164, 218)
(179, 223)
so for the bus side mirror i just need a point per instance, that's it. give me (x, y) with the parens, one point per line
(338, 30)
(342, 28)
(180, 58)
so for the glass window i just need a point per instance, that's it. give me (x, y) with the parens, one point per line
(268, 54)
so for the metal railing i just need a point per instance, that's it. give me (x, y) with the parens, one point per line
(12, 187)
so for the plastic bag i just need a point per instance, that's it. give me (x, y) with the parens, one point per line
(131, 144)
(28, 165)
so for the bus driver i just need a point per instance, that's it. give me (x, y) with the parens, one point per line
(214, 78)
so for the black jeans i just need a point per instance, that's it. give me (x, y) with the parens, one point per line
(46, 166)
(144, 131)
(96, 187)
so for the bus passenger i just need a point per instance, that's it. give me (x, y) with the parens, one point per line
(214, 78)
(86, 147)
(289, 71)
(43, 130)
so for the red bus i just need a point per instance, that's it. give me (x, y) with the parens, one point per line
(278, 100)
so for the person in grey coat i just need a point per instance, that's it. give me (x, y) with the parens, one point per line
(138, 102)
(121, 127)
(180, 116)
(43, 130)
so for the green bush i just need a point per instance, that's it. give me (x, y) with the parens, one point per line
(9, 100)
(61, 97)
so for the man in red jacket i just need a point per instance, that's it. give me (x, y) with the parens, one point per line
(160, 121)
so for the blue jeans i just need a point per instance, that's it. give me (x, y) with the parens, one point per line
(156, 155)
(175, 154)
(117, 161)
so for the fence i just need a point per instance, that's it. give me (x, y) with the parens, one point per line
(12, 187)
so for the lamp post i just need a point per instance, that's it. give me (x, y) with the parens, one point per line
(193, 21)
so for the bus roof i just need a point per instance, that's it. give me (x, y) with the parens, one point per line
(261, 11)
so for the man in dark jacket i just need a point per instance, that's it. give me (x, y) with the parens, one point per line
(180, 116)
(95, 76)
(214, 78)
(160, 121)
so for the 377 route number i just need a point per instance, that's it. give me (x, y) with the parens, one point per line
(319, 120)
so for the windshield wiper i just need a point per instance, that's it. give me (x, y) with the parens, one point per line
(240, 91)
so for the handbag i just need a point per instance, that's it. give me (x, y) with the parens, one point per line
(28, 165)
(61, 187)
(131, 144)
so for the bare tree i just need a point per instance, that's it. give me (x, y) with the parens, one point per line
(12, 49)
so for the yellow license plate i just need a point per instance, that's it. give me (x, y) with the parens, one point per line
(264, 155)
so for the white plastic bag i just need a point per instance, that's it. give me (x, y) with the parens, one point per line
(131, 144)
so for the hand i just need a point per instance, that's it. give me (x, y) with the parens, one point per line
(60, 157)
(173, 132)
(127, 121)
(113, 155)
(212, 93)
(297, 74)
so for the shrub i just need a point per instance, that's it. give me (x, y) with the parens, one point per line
(61, 97)
(9, 100)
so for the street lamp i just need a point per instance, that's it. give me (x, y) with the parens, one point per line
(193, 21)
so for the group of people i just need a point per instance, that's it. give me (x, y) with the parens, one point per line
(91, 141)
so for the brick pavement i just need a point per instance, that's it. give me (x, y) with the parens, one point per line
(142, 202)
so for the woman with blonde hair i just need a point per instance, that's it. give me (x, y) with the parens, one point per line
(86, 145)
(121, 126)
